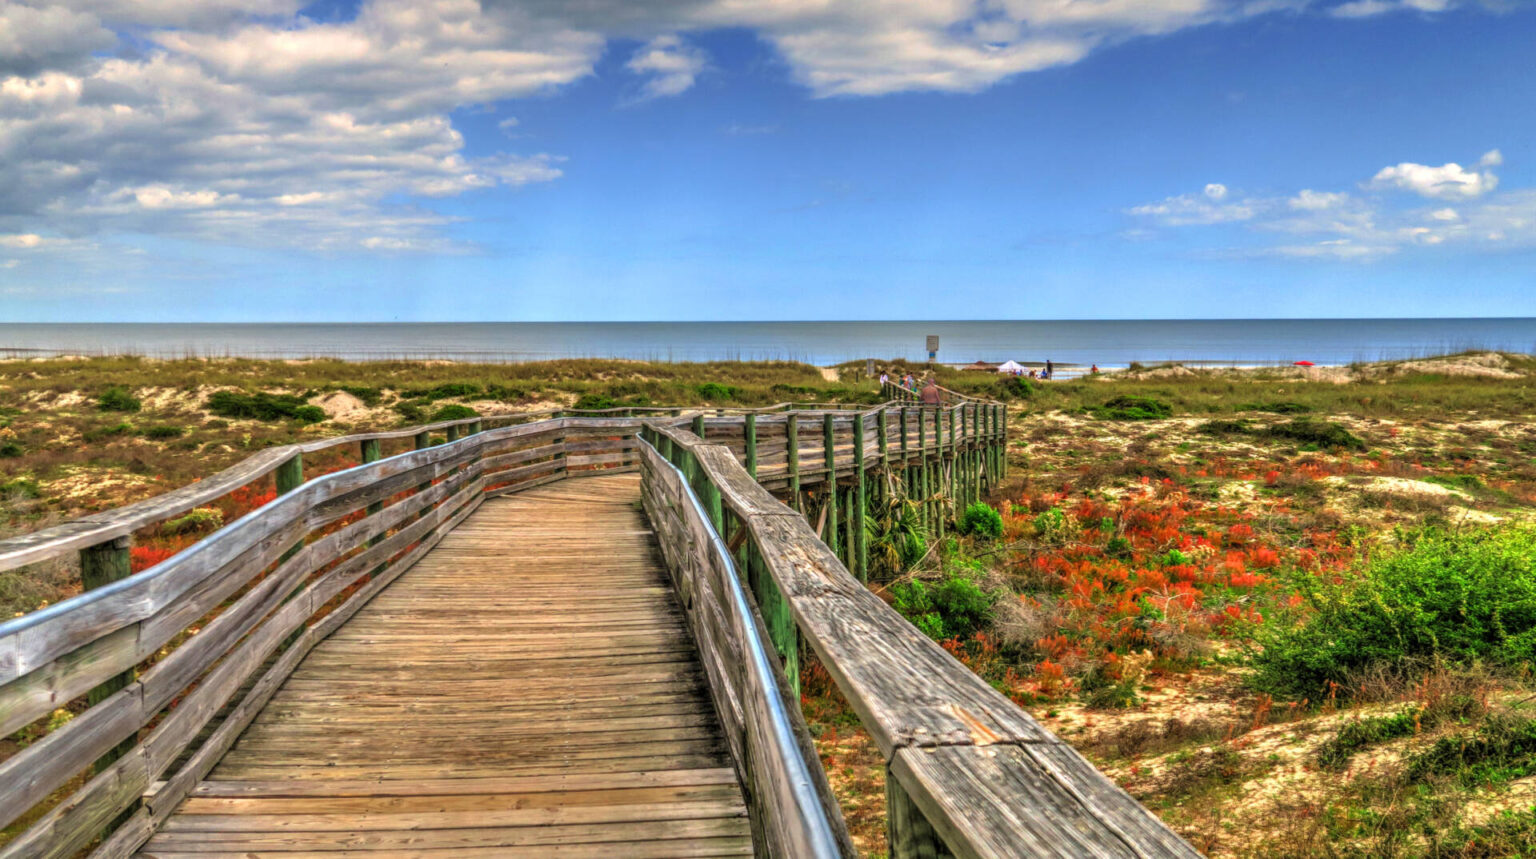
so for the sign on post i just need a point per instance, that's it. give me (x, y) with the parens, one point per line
(933, 347)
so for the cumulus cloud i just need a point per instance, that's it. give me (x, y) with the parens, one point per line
(1371, 8)
(669, 63)
(275, 136)
(1446, 182)
(245, 121)
(1339, 225)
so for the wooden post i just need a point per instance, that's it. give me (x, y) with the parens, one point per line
(962, 463)
(103, 564)
(750, 431)
(792, 449)
(908, 833)
(776, 615)
(828, 440)
(698, 425)
(939, 464)
(859, 551)
(452, 433)
(850, 540)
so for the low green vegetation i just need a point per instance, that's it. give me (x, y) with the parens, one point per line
(117, 399)
(1323, 434)
(1132, 408)
(980, 519)
(954, 606)
(454, 412)
(1442, 597)
(263, 406)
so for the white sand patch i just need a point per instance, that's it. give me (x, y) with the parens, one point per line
(1396, 486)
(1487, 365)
(829, 374)
(340, 405)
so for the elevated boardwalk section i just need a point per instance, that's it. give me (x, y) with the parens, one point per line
(529, 688)
(498, 641)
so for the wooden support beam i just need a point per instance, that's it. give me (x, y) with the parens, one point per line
(829, 446)
(908, 834)
(860, 492)
(698, 425)
(792, 445)
(103, 564)
(750, 431)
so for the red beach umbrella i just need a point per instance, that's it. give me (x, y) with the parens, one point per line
(1305, 364)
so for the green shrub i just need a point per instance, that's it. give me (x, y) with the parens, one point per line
(117, 399)
(98, 433)
(595, 402)
(1133, 408)
(20, 487)
(1101, 691)
(714, 391)
(412, 411)
(955, 607)
(1502, 749)
(1459, 597)
(369, 396)
(161, 432)
(1225, 427)
(454, 412)
(981, 520)
(1014, 388)
(199, 521)
(1321, 433)
(263, 406)
(1276, 408)
(1363, 733)
(445, 391)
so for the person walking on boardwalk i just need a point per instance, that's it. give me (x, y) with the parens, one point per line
(931, 393)
(885, 379)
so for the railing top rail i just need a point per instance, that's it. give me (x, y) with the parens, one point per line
(984, 773)
(95, 528)
(818, 834)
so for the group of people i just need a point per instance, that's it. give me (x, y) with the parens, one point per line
(928, 395)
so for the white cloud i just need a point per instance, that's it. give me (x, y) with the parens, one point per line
(672, 66)
(1216, 191)
(1371, 8)
(1189, 210)
(506, 125)
(1491, 158)
(1446, 182)
(268, 136)
(1342, 226)
(243, 121)
(1317, 201)
(21, 240)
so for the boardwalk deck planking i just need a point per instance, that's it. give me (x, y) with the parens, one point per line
(529, 688)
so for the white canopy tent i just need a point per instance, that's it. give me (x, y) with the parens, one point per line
(1011, 367)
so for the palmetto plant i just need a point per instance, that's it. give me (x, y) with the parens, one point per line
(893, 525)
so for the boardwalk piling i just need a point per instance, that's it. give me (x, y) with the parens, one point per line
(103, 564)
(860, 506)
(792, 445)
(829, 441)
(749, 429)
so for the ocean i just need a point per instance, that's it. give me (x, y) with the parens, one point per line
(1108, 343)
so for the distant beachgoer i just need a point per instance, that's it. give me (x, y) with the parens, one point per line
(1094, 370)
(1050, 369)
(910, 382)
(1032, 374)
(931, 393)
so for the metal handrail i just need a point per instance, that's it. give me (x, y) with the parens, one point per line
(820, 839)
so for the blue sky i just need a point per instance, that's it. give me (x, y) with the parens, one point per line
(785, 159)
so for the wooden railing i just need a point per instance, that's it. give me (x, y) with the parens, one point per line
(793, 811)
(177, 659)
(969, 774)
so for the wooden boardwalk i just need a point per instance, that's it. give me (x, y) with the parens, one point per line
(528, 689)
